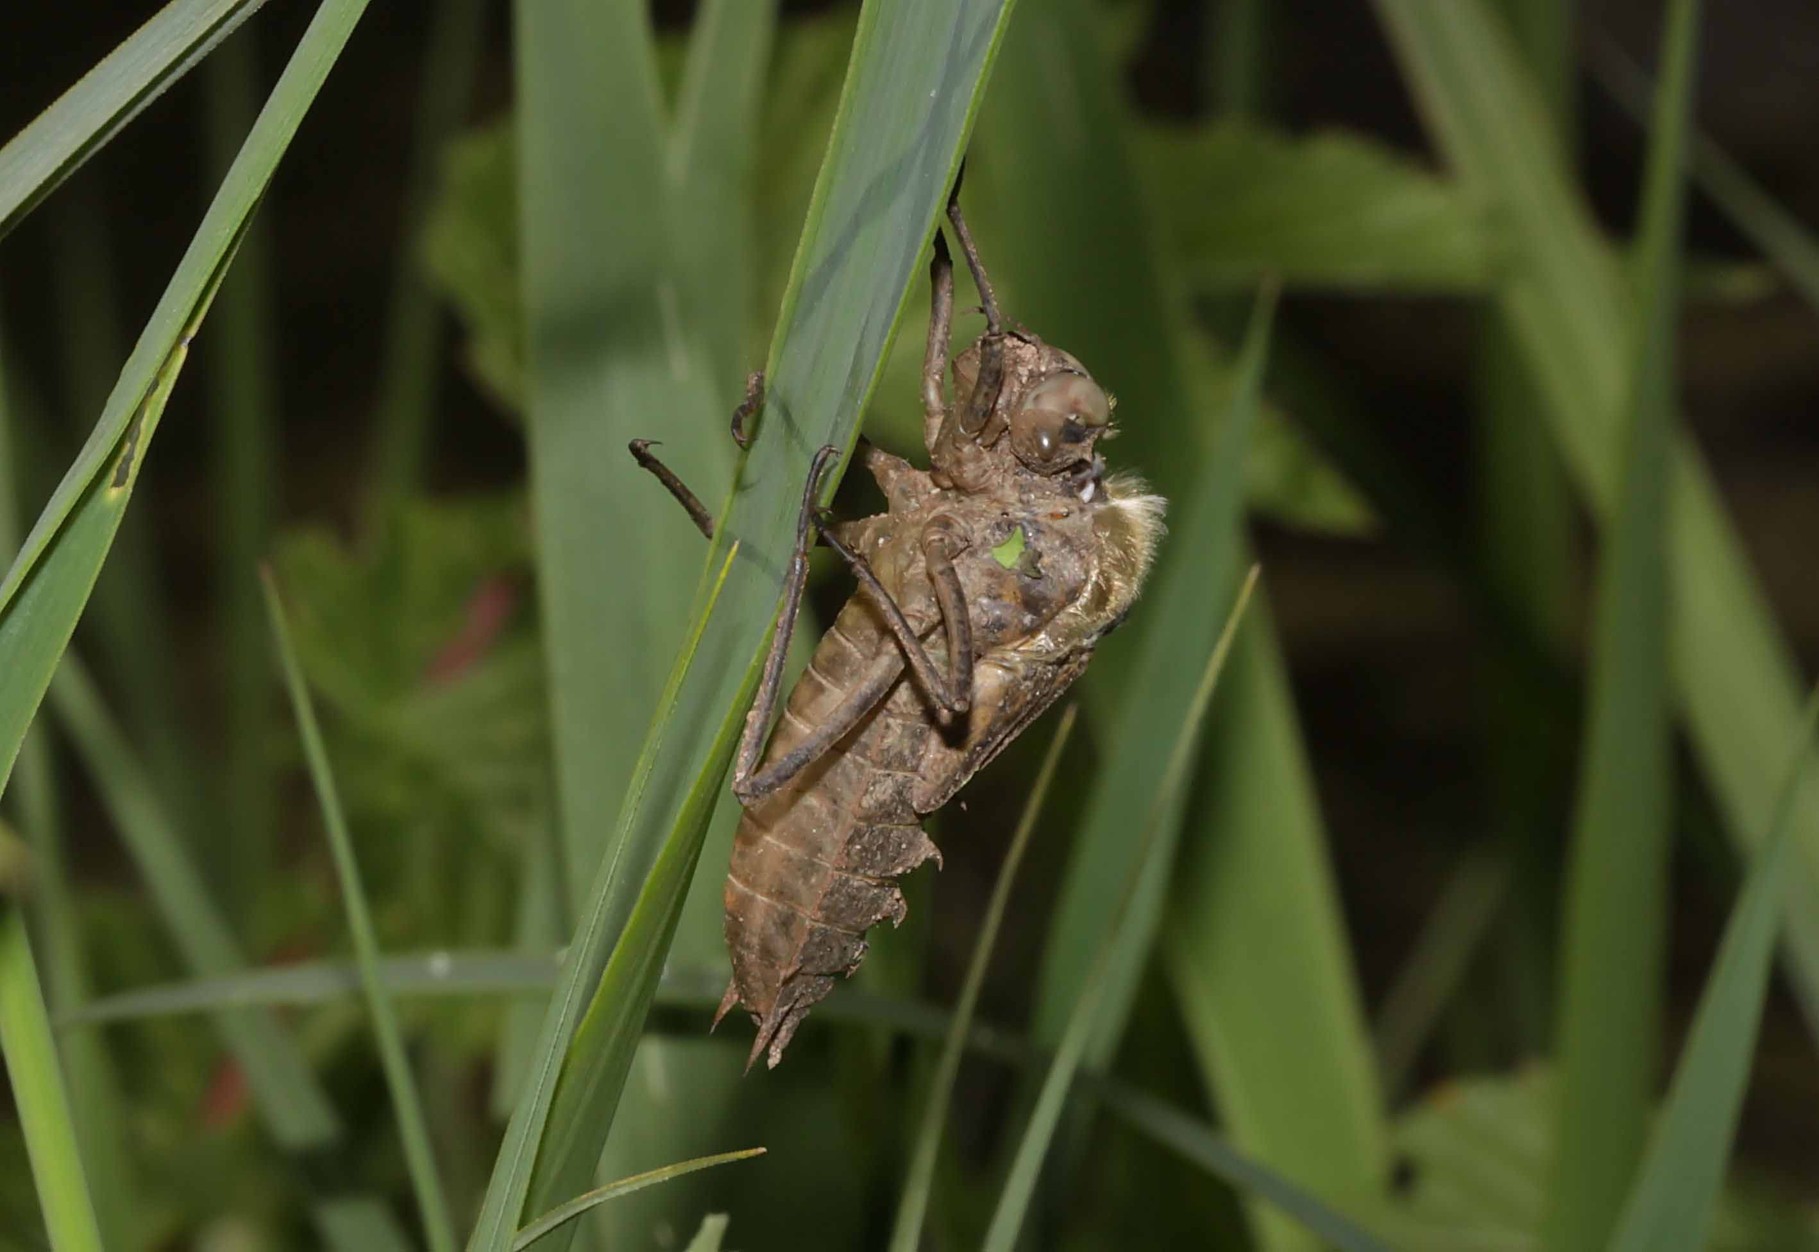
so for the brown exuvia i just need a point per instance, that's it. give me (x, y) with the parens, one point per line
(983, 592)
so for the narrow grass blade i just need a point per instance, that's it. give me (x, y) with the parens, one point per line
(110, 95)
(566, 1213)
(1195, 574)
(1614, 951)
(45, 589)
(709, 1237)
(518, 1155)
(129, 607)
(36, 1078)
(1075, 257)
(1735, 679)
(290, 1102)
(678, 1092)
(911, 89)
(409, 367)
(1468, 906)
(94, 1085)
(325, 982)
(1780, 236)
(242, 384)
(1671, 1206)
(1013, 1200)
(1175, 1130)
(1527, 548)
(920, 1179)
(407, 1105)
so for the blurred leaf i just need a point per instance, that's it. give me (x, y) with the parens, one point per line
(906, 1235)
(1068, 215)
(411, 367)
(470, 250)
(110, 95)
(290, 1102)
(1672, 1203)
(1125, 935)
(407, 1105)
(44, 591)
(1243, 203)
(708, 1238)
(568, 1212)
(1777, 234)
(1565, 302)
(1614, 949)
(36, 1078)
(1477, 1155)
(1181, 621)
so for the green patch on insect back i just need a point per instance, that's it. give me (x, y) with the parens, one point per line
(1010, 553)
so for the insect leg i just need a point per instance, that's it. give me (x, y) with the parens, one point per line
(983, 401)
(697, 512)
(835, 726)
(994, 320)
(940, 328)
(748, 407)
(952, 695)
(770, 684)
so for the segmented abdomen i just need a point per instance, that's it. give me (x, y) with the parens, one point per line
(813, 862)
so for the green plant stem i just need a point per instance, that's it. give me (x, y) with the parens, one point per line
(38, 1091)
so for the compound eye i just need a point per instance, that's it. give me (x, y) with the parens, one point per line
(1060, 413)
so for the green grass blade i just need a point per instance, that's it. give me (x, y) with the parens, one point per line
(284, 1091)
(708, 1238)
(1020, 1184)
(407, 1105)
(1175, 1130)
(911, 89)
(920, 1178)
(1054, 245)
(1736, 682)
(94, 1085)
(1195, 575)
(1671, 1206)
(38, 1092)
(591, 948)
(1777, 234)
(1469, 904)
(601, 369)
(110, 95)
(1614, 951)
(1527, 548)
(409, 368)
(130, 606)
(304, 983)
(563, 1214)
(45, 589)
(677, 1090)
(242, 384)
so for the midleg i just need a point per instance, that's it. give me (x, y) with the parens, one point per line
(770, 683)
(697, 512)
(952, 694)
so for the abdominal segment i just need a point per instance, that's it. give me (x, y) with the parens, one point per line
(814, 863)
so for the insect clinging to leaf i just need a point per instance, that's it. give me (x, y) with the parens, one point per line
(983, 591)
